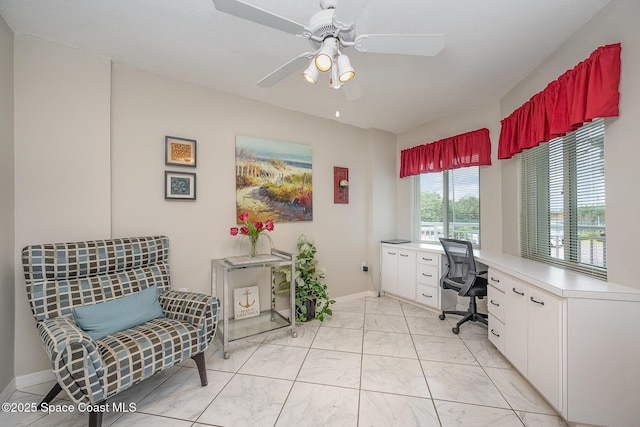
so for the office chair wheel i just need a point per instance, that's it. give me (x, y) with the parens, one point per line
(455, 330)
(441, 317)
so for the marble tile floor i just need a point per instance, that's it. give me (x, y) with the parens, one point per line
(375, 362)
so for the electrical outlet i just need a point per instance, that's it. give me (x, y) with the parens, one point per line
(364, 266)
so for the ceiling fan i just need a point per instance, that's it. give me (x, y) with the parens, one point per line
(330, 31)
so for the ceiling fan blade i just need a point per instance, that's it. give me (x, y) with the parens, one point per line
(401, 44)
(292, 66)
(346, 13)
(352, 90)
(259, 16)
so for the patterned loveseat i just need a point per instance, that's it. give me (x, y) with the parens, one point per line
(64, 278)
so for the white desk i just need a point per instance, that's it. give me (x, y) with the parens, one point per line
(580, 349)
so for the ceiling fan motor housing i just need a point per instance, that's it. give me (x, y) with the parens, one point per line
(321, 26)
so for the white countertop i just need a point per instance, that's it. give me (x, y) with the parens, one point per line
(560, 282)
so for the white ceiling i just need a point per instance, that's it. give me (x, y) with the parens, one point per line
(490, 46)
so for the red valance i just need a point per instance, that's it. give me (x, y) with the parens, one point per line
(468, 149)
(588, 91)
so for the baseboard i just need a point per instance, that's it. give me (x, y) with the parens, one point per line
(28, 380)
(8, 391)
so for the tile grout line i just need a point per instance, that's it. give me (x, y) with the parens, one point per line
(433, 403)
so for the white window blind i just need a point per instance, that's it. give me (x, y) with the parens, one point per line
(563, 202)
(455, 216)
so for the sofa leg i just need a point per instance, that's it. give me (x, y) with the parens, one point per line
(95, 418)
(55, 390)
(202, 367)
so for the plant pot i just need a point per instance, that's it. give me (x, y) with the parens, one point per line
(310, 305)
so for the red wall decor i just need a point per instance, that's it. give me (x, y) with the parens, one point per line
(340, 185)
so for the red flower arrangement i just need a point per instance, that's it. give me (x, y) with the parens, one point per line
(251, 229)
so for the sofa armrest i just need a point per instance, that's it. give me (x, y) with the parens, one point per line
(75, 360)
(198, 309)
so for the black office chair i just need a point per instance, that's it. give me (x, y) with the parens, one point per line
(464, 278)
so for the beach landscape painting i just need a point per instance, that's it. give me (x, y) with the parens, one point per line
(273, 180)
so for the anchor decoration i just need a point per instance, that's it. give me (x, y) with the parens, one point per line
(246, 302)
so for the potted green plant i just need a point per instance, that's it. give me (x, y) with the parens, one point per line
(312, 300)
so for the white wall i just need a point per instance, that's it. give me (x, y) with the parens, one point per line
(147, 107)
(617, 22)
(89, 161)
(62, 162)
(7, 218)
(382, 203)
(483, 116)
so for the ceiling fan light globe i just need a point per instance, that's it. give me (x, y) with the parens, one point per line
(323, 62)
(311, 74)
(345, 70)
(345, 77)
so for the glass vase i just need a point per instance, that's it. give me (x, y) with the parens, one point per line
(254, 243)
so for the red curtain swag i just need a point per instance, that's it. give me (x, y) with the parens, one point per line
(588, 91)
(468, 149)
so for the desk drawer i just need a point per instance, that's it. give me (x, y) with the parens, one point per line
(427, 295)
(496, 333)
(428, 258)
(427, 274)
(495, 302)
(496, 278)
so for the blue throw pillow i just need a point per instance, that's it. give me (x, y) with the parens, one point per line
(104, 318)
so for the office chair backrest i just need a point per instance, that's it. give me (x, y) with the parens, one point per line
(459, 253)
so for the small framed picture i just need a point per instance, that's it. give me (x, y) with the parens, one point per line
(179, 185)
(179, 151)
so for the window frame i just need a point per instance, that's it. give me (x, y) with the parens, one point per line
(445, 207)
(538, 226)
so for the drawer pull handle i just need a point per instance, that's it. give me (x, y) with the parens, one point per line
(498, 335)
(427, 259)
(427, 296)
(518, 292)
(391, 253)
(493, 279)
(537, 302)
(495, 303)
(404, 255)
(427, 275)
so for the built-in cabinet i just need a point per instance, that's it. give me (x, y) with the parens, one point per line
(389, 269)
(428, 291)
(515, 318)
(525, 324)
(574, 338)
(544, 344)
(407, 274)
(414, 274)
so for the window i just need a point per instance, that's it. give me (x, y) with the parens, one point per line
(456, 216)
(562, 218)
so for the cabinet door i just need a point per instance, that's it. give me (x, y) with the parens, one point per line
(407, 275)
(544, 344)
(515, 323)
(389, 270)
